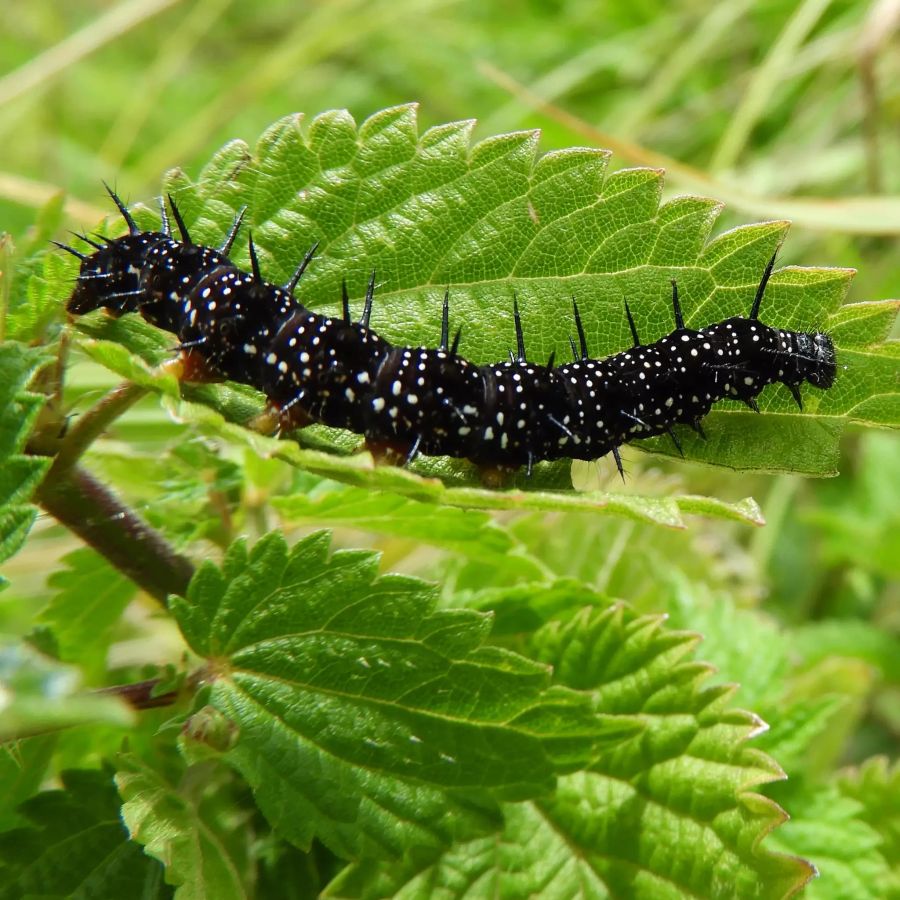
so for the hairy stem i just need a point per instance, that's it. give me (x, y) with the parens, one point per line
(92, 424)
(83, 505)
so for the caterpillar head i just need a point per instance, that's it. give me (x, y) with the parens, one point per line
(110, 277)
(817, 362)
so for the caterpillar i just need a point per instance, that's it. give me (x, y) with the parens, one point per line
(234, 325)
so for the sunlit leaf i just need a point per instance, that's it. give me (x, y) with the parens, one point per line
(170, 826)
(494, 218)
(669, 813)
(363, 716)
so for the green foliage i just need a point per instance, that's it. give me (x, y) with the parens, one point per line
(834, 831)
(277, 765)
(41, 695)
(172, 829)
(306, 655)
(23, 765)
(876, 786)
(19, 474)
(686, 778)
(91, 598)
(494, 219)
(75, 846)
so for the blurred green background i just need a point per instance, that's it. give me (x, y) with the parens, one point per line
(759, 100)
(779, 109)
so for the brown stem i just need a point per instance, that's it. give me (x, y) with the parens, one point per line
(83, 505)
(139, 695)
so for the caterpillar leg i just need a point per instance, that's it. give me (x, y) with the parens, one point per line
(496, 477)
(191, 366)
(392, 453)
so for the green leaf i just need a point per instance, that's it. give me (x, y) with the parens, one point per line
(520, 610)
(18, 408)
(91, 597)
(861, 524)
(38, 694)
(875, 785)
(117, 359)
(436, 482)
(19, 474)
(32, 279)
(23, 765)
(15, 524)
(671, 812)
(800, 727)
(852, 638)
(365, 717)
(744, 644)
(490, 220)
(171, 827)
(468, 532)
(831, 829)
(76, 847)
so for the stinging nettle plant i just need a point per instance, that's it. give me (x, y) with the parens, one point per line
(512, 732)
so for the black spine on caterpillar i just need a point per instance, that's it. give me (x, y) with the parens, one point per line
(338, 372)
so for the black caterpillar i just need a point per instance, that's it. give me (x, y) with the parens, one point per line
(410, 400)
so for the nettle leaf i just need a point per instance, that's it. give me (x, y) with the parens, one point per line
(670, 812)
(361, 715)
(801, 727)
(493, 219)
(173, 829)
(76, 847)
(849, 852)
(469, 532)
(27, 307)
(19, 474)
(91, 597)
(875, 785)
(744, 643)
(23, 765)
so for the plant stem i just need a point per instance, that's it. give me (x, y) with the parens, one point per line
(91, 425)
(82, 504)
(139, 695)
